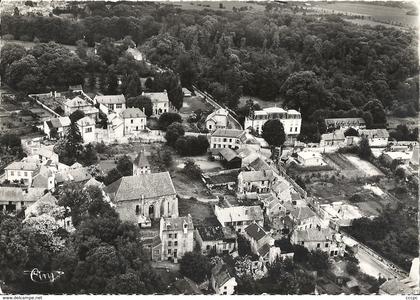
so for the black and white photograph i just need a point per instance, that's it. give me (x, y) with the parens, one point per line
(209, 148)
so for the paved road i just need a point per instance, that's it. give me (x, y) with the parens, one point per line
(374, 267)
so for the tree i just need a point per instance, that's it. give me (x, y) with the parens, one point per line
(273, 133)
(71, 145)
(364, 149)
(9, 54)
(244, 246)
(192, 170)
(173, 132)
(112, 82)
(125, 166)
(76, 115)
(142, 102)
(107, 51)
(195, 266)
(112, 176)
(351, 132)
(89, 155)
(167, 119)
(319, 260)
(81, 49)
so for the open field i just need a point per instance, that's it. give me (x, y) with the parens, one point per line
(214, 5)
(376, 12)
(202, 213)
(28, 45)
(362, 22)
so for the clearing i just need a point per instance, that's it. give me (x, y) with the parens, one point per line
(214, 5)
(262, 103)
(187, 188)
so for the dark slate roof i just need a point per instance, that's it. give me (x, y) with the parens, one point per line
(141, 160)
(302, 213)
(264, 249)
(146, 185)
(228, 154)
(220, 274)
(255, 231)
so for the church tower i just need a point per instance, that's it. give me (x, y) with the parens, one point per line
(141, 164)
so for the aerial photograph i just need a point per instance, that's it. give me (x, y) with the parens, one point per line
(209, 148)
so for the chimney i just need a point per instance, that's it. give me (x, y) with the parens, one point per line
(164, 91)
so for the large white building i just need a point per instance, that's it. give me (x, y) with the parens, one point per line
(217, 119)
(227, 138)
(291, 120)
(134, 120)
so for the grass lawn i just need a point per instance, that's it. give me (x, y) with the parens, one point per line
(186, 188)
(202, 213)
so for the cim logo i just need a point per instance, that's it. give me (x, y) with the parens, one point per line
(38, 276)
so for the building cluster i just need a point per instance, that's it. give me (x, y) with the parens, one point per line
(122, 122)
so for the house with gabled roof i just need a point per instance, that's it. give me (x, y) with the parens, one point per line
(87, 129)
(220, 239)
(217, 119)
(227, 138)
(255, 181)
(323, 239)
(21, 171)
(239, 217)
(15, 199)
(304, 218)
(160, 102)
(177, 237)
(376, 137)
(56, 127)
(78, 103)
(134, 120)
(111, 103)
(146, 196)
(222, 282)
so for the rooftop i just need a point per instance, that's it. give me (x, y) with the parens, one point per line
(133, 112)
(230, 133)
(86, 121)
(239, 213)
(157, 96)
(255, 231)
(110, 99)
(75, 175)
(337, 135)
(228, 154)
(16, 194)
(59, 122)
(177, 223)
(309, 154)
(24, 166)
(146, 185)
(251, 176)
(215, 233)
(374, 133)
(313, 235)
(220, 274)
(302, 213)
(344, 121)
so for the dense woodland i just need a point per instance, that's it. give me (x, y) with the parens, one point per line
(319, 65)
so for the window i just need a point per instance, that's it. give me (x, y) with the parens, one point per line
(12, 173)
(110, 106)
(18, 173)
(118, 105)
(175, 235)
(318, 245)
(326, 245)
(302, 243)
(208, 247)
(170, 235)
(225, 287)
(291, 129)
(25, 174)
(224, 293)
(137, 209)
(209, 126)
(224, 140)
(132, 121)
(230, 140)
(296, 129)
(169, 244)
(176, 243)
(169, 251)
(89, 129)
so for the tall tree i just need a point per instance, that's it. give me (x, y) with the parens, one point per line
(273, 133)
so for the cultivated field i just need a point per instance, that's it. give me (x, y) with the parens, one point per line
(214, 5)
(192, 104)
(28, 45)
(380, 13)
(366, 167)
